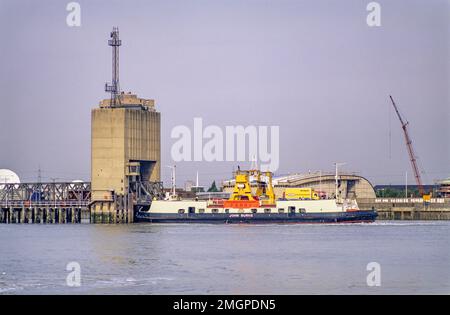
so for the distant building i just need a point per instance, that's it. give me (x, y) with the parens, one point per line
(197, 189)
(188, 185)
(444, 188)
(191, 186)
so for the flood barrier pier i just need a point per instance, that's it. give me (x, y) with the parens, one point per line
(55, 202)
(71, 202)
(408, 208)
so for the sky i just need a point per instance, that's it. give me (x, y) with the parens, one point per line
(313, 68)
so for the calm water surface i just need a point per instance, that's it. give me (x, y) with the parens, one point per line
(226, 259)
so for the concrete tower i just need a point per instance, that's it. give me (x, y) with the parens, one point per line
(125, 150)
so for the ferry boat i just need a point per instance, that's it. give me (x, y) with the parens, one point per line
(262, 207)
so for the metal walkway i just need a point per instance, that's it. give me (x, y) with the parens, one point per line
(65, 202)
(56, 202)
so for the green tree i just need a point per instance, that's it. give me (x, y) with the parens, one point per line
(390, 192)
(213, 187)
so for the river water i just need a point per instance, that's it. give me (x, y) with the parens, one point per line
(413, 256)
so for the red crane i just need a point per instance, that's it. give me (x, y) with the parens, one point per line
(412, 156)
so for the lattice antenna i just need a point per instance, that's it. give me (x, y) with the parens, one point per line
(39, 175)
(114, 87)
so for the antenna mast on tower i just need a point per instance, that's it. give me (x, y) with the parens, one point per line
(114, 88)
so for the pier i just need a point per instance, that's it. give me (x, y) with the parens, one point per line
(408, 208)
(70, 202)
(62, 202)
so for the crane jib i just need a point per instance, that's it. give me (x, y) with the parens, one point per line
(408, 141)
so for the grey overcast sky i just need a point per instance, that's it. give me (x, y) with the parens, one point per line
(314, 68)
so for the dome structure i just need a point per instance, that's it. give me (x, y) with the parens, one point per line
(8, 177)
